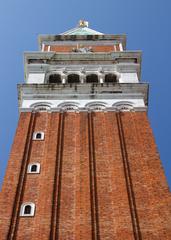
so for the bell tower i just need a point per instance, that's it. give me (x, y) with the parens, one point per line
(84, 164)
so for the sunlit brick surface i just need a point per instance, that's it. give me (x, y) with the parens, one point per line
(100, 178)
(105, 48)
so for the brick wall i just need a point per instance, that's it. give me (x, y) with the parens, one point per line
(106, 48)
(100, 178)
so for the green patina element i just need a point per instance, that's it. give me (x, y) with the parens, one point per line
(81, 31)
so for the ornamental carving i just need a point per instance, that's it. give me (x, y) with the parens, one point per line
(82, 49)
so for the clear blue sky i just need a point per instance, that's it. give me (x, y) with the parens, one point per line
(146, 23)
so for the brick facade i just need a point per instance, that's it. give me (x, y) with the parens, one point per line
(95, 48)
(100, 178)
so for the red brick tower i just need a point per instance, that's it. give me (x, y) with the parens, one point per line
(84, 164)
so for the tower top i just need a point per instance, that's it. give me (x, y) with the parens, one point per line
(83, 23)
(82, 29)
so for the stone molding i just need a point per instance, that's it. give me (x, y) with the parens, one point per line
(94, 106)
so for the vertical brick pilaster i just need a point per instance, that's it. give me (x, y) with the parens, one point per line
(149, 184)
(93, 179)
(128, 179)
(42, 225)
(84, 176)
(10, 195)
(67, 203)
(122, 221)
(101, 178)
(39, 187)
(57, 180)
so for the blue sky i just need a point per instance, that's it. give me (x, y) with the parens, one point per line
(146, 23)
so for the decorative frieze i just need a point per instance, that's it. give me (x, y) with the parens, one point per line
(83, 105)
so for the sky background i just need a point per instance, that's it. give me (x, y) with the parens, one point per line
(147, 24)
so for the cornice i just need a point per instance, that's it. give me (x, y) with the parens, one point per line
(53, 58)
(82, 91)
(105, 37)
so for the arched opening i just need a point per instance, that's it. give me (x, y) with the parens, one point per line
(124, 106)
(73, 78)
(92, 78)
(27, 209)
(42, 108)
(96, 106)
(55, 78)
(110, 78)
(70, 108)
(34, 168)
(38, 136)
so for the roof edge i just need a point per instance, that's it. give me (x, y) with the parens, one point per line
(52, 38)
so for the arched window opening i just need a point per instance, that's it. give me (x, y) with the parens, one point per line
(110, 78)
(55, 78)
(27, 209)
(38, 136)
(70, 108)
(41, 107)
(96, 106)
(124, 106)
(92, 78)
(34, 168)
(73, 78)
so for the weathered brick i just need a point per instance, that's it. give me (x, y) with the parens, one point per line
(87, 165)
(95, 48)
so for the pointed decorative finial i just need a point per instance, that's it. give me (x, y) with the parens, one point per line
(83, 23)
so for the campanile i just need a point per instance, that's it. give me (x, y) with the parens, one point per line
(84, 164)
